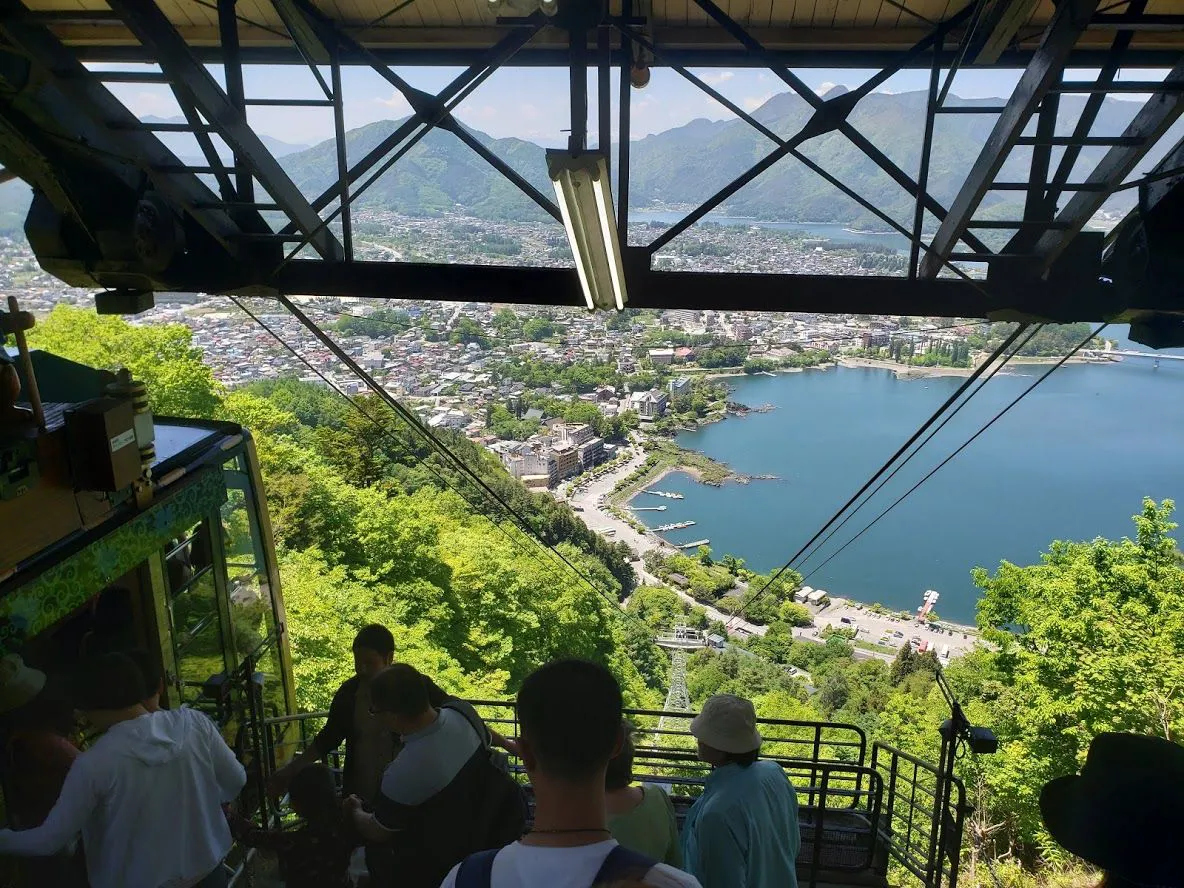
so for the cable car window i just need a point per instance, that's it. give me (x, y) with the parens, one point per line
(252, 608)
(195, 621)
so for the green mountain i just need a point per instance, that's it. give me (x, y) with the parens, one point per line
(439, 174)
(684, 166)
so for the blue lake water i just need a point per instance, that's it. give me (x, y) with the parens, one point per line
(1073, 460)
(826, 230)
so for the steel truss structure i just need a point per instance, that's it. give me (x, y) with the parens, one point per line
(115, 208)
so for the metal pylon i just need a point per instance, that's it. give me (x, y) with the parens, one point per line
(677, 698)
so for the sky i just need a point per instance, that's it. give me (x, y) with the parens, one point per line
(532, 103)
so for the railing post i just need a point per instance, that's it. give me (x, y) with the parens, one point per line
(819, 824)
(814, 760)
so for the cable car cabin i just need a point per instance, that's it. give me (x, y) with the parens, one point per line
(169, 553)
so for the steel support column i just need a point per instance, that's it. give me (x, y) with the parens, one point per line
(926, 152)
(233, 67)
(1068, 22)
(623, 135)
(347, 234)
(153, 29)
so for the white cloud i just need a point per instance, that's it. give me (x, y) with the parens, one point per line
(825, 87)
(396, 102)
(751, 103)
(717, 79)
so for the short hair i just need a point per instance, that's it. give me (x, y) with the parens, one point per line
(570, 713)
(620, 766)
(110, 681)
(400, 690)
(148, 668)
(313, 790)
(377, 638)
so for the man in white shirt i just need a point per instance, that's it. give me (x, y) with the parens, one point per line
(570, 717)
(146, 796)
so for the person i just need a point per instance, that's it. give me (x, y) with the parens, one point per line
(743, 831)
(569, 713)
(153, 678)
(442, 797)
(146, 796)
(317, 854)
(369, 744)
(1123, 812)
(38, 724)
(639, 817)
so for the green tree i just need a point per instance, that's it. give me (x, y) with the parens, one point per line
(162, 356)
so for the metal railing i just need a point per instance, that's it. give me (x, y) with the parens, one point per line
(924, 816)
(841, 797)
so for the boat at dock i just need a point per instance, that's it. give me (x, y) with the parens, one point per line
(664, 493)
(678, 525)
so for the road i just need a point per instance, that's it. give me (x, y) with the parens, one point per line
(586, 500)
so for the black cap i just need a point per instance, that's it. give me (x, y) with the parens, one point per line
(1125, 811)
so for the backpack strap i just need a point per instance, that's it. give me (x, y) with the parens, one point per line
(470, 715)
(621, 863)
(476, 870)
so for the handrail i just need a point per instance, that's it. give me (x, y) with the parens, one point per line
(923, 834)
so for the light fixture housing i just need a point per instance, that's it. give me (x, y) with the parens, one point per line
(586, 205)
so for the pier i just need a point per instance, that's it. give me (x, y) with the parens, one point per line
(664, 493)
(678, 525)
(695, 545)
(648, 508)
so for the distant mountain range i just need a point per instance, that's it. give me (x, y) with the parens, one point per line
(683, 166)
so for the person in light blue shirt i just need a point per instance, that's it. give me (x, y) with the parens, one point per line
(743, 831)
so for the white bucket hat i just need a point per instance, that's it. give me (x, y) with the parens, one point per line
(19, 683)
(727, 723)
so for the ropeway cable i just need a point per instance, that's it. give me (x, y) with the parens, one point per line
(527, 531)
(999, 365)
(417, 426)
(964, 445)
(384, 427)
(924, 427)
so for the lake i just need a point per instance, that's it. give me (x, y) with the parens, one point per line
(827, 230)
(1073, 460)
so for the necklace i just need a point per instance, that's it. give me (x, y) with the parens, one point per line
(574, 829)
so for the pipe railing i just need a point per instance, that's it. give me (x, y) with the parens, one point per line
(923, 817)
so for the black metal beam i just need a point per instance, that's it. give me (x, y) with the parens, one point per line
(555, 57)
(829, 116)
(101, 123)
(923, 171)
(945, 297)
(1039, 77)
(347, 229)
(1150, 124)
(233, 68)
(488, 59)
(154, 30)
(624, 112)
(1036, 207)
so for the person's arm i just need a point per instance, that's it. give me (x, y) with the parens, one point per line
(721, 862)
(330, 737)
(369, 827)
(228, 771)
(247, 833)
(65, 821)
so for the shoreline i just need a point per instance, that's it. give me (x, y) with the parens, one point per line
(905, 371)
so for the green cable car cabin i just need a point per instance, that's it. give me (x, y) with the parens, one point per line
(111, 542)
